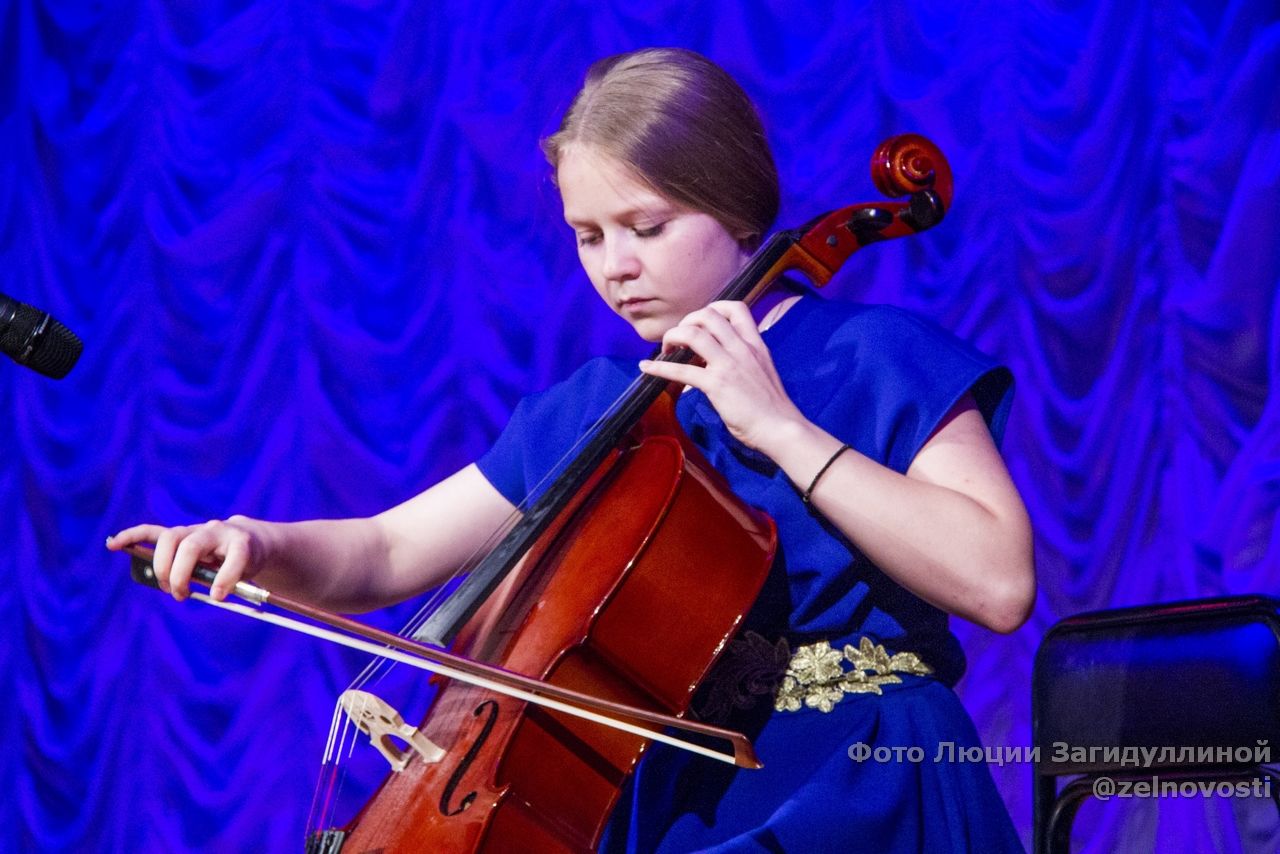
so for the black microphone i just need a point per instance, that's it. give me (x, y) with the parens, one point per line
(31, 337)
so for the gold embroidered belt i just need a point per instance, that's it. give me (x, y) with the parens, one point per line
(816, 676)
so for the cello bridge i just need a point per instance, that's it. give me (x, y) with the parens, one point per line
(376, 718)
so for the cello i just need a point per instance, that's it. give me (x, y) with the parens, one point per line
(622, 581)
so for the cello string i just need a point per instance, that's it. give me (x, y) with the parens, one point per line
(329, 782)
(323, 796)
(321, 810)
(333, 736)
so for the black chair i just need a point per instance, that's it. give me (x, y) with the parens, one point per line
(1191, 689)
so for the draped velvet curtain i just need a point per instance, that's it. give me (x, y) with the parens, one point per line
(315, 258)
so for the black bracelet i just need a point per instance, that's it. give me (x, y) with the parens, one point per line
(817, 477)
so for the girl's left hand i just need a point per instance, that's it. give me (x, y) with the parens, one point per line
(737, 374)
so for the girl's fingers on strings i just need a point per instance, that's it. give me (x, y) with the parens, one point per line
(738, 315)
(672, 371)
(724, 329)
(696, 338)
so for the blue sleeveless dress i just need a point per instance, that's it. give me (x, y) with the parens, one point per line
(880, 379)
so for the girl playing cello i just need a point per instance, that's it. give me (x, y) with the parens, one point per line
(866, 433)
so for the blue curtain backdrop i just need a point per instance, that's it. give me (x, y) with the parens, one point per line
(316, 259)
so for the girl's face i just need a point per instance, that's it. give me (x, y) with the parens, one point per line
(651, 259)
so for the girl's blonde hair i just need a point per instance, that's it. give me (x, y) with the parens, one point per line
(683, 125)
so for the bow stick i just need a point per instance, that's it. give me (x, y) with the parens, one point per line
(357, 635)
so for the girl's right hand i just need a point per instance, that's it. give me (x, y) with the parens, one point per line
(235, 545)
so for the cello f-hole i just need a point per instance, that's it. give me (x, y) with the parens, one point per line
(456, 777)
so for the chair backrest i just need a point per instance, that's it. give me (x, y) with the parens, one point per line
(1189, 684)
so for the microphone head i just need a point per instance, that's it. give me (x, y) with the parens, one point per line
(35, 339)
